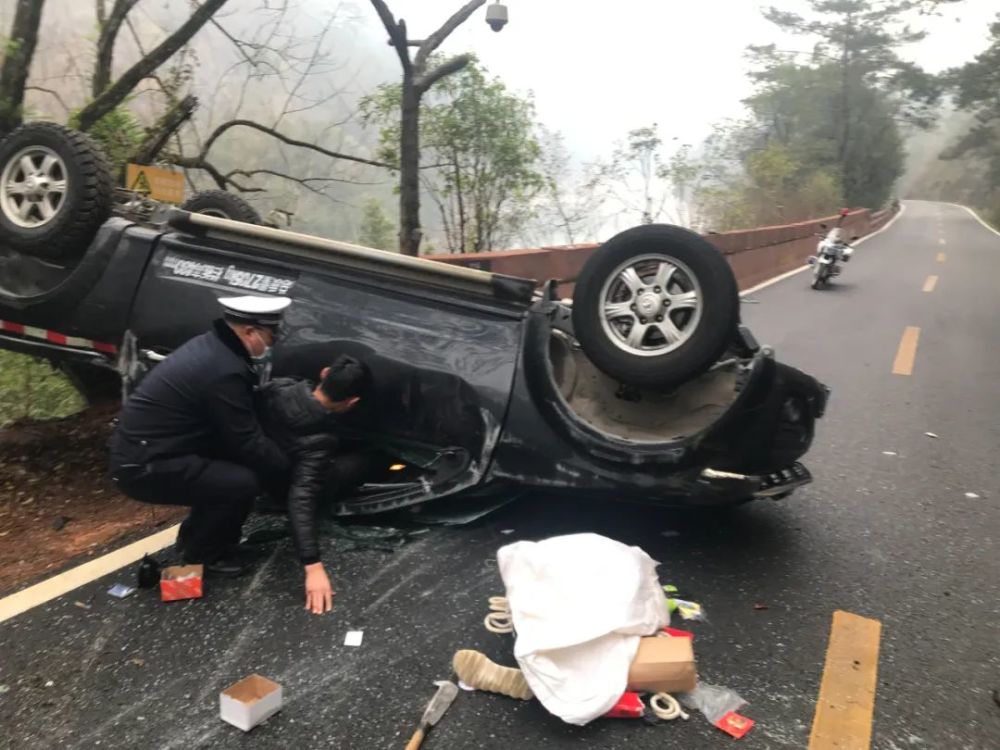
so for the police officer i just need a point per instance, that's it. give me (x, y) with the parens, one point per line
(189, 434)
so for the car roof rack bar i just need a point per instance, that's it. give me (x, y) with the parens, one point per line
(509, 287)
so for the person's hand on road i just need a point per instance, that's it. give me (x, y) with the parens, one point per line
(319, 592)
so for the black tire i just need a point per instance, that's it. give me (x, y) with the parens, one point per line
(707, 337)
(223, 205)
(84, 205)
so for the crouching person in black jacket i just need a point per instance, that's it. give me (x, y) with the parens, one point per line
(190, 435)
(301, 417)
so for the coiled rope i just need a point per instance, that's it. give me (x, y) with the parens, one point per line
(499, 620)
(666, 707)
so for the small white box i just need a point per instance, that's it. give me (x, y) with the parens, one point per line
(250, 701)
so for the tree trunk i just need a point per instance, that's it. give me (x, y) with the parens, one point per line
(460, 199)
(410, 233)
(110, 27)
(20, 49)
(416, 81)
(845, 112)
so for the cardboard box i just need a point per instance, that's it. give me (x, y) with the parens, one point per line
(250, 701)
(181, 582)
(663, 665)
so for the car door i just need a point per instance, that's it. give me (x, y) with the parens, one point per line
(443, 359)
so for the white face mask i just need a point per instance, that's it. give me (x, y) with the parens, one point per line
(262, 362)
(265, 357)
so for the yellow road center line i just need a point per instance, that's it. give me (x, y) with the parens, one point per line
(942, 257)
(930, 283)
(846, 703)
(907, 352)
(62, 583)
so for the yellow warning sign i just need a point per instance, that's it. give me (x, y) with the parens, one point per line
(156, 183)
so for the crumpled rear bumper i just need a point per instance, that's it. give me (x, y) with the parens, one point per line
(713, 487)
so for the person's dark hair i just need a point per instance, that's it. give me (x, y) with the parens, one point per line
(347, 377)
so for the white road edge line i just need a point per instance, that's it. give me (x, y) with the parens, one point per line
(789, 274)
(62, 583)
(975, 216)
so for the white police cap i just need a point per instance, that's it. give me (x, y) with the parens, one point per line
(255, 311)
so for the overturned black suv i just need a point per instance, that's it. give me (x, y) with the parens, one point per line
(644, 387)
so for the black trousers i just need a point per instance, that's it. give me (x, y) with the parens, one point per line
(220, 494)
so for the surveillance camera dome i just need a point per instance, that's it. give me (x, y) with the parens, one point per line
(496, 16)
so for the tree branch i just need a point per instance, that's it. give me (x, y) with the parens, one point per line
(54, 94)
(236, 43)
(117, 92)
(306, 182)
(219, 131)
(314, 60)
(437, 38)
(221, 180)
(106, 44)
(397, 33)
(159, 134)
(452, 65)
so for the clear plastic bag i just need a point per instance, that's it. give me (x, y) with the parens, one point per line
(712, 700)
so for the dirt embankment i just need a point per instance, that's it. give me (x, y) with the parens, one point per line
(57, 506)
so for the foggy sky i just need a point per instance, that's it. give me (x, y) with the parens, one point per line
(600, 68)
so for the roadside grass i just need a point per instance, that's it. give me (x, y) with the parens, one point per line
(32, 389)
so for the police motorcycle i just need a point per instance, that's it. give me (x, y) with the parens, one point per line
(831, 250)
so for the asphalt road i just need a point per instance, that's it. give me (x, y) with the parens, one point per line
(891, 537)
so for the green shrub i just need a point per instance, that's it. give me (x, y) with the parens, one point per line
(31, 389)
(118, 133)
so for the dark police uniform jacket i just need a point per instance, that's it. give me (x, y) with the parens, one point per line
(198, 401)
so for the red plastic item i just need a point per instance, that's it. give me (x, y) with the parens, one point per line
(735, 725)
(678, 633)
(629, 706)
(181, 582)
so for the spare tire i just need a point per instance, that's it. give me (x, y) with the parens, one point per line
(223, 205)
(55, 191)
(655, 306)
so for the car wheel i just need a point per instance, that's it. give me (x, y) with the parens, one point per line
(222, 205)
(655, 306)
(55, 191)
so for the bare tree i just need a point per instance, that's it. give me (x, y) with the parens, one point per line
(17, 62)
(417, 80)
(112, 95)
(275, 56)
(288, 70)
(572, 201)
